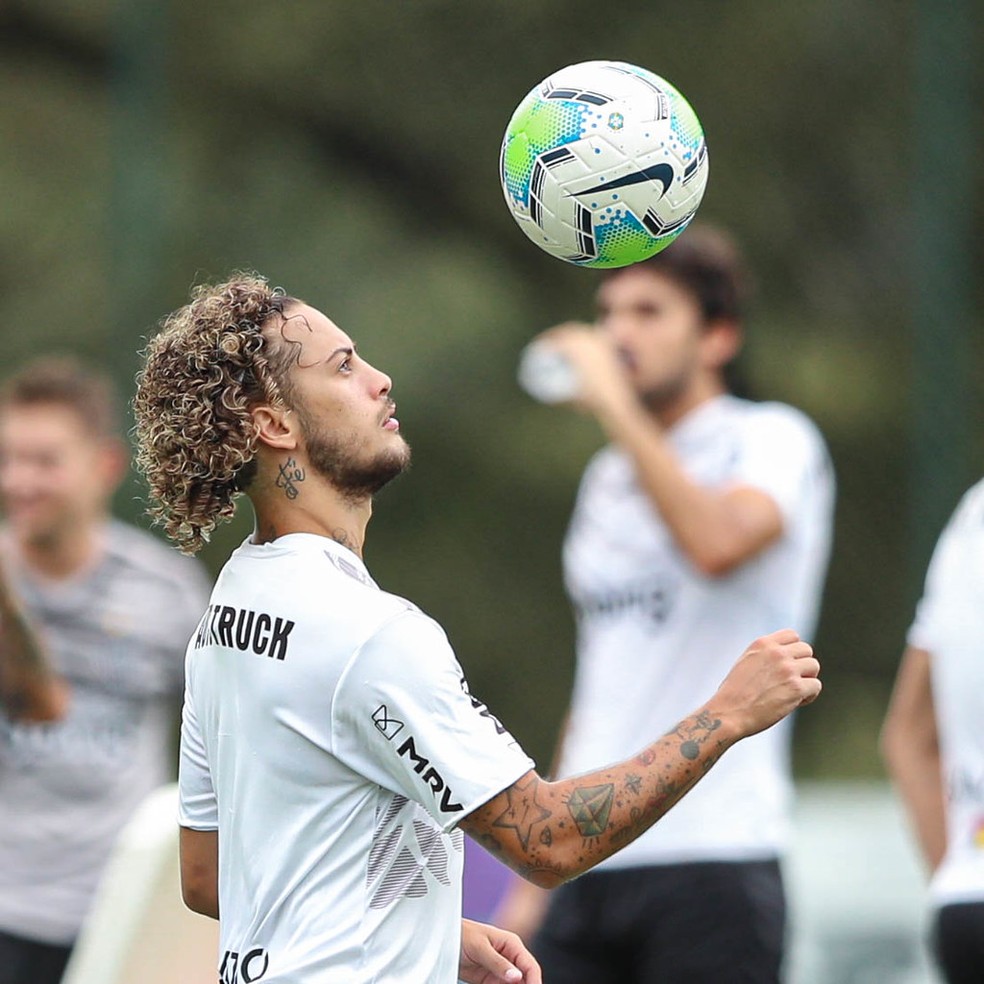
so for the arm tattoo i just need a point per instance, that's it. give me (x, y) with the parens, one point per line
(289, 477)
(523, 812)
(590, 807)
(695, 734)
(563, 828)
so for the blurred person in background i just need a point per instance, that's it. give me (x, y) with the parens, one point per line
(331, 753)
(93, 619)
(706, 520)
(933, 738)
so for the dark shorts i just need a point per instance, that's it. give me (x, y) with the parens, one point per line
(958, 942)
(25, 961)
(700, 923)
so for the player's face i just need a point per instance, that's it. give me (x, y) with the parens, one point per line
(350, 433)
(54, 474)
(657, 327)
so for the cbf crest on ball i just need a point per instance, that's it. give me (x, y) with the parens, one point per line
(603, 164)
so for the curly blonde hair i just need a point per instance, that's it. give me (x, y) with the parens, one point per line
(203, 373)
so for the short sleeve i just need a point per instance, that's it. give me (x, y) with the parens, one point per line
(931, 612)
(191, 599)
(403, 717)
(197, 807)
(782, 453)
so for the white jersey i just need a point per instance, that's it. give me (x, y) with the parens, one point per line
(116, 633)
(655, 637)
(330, 738)
(950, 626)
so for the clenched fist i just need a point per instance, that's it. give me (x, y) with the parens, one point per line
(775, 675)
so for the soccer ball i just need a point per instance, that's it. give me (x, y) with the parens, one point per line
(603, 164)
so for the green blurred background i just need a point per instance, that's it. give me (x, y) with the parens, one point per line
(348, 150)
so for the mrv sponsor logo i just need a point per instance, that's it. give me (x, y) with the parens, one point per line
(430, 776)
(390, 727)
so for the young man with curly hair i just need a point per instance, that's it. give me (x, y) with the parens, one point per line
(92, 615)
(332, 754)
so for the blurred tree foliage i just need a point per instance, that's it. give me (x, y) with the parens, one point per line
(348, 150)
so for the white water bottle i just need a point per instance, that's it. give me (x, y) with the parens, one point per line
(546, 374)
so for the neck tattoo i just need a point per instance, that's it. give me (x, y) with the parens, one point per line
(289, 477)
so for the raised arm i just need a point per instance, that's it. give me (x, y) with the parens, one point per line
(550, 832)
(30, 690)
(718, 530)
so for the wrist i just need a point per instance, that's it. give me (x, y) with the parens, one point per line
(732, 725)
(622, 414)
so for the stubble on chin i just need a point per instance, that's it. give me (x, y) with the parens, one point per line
(355, 478)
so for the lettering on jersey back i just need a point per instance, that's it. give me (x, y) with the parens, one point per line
(245, 630)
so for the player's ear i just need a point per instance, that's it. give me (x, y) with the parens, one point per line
(720, 342)
(276, 427)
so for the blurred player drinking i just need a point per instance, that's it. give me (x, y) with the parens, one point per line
(704, 521)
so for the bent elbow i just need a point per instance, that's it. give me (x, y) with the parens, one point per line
(549, 879)
(715, 563)
(563, 866)
(900, 744)
(192, 898)
(199, 899)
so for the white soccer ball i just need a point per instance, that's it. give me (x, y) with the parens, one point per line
(603, 164)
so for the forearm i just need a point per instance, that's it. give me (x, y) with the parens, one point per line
(911, 750)
(552, 831)
(565, 828)
(199, 859)
(916, 773)
(30, 688)
(206, 907)
(710, 527)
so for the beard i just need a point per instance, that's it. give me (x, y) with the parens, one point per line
(667, 393)
(355, 476)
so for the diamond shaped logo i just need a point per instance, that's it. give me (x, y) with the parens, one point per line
(389, 727)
